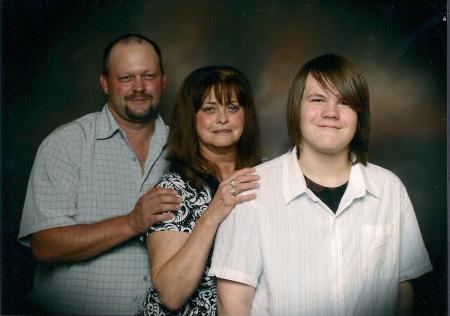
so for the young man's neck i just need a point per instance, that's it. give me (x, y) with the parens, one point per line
(328, 170)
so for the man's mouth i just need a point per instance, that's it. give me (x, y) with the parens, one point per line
(138, 97)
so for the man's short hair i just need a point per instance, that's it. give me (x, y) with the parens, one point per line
(127, 39)
(333, 73)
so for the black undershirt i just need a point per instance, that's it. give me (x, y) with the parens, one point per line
(330, 196)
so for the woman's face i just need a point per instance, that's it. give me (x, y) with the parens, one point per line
(219, 126)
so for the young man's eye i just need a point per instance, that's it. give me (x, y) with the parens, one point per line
(317, 100)
(343, 102)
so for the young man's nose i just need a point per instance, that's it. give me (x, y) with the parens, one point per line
(330, 110)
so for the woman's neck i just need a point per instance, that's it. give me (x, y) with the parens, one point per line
(225, 160)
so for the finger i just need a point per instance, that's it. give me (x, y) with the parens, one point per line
(159, 190)
(241, 172)
(247, 178)
(163, 217)
(161, 208)
(246, 186)
(162, 198)
(245, 198)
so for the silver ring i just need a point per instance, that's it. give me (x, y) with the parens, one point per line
(233, 190)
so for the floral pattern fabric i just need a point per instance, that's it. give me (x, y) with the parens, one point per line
(204, 300)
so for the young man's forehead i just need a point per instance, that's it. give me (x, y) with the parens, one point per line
(323, 83)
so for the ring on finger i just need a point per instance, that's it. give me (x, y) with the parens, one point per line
(233, 189)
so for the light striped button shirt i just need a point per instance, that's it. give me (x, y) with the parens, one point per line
(85, 172)
(305, 260)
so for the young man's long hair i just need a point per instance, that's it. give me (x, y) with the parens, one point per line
(183, 141)
(333, 73)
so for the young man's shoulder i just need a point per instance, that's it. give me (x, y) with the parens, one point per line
(274, 164)
(380, 174)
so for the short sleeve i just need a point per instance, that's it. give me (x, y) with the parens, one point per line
(53, 186)
(414, 260)
(194, 204)
(237, 249)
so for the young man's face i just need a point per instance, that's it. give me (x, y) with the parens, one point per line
(135, 82)
(327, 122)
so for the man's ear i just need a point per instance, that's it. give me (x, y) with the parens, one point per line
(104, 83)
(164, 82)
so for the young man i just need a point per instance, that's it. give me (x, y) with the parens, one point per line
(89, 195)
(329, 233)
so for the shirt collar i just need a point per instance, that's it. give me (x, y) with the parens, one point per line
(294, 184)
(293, 180)
(362, 180)
(108, 126)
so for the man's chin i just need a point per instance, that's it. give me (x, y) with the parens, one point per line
(142, 117)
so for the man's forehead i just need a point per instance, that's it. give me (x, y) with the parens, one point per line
(125, 51)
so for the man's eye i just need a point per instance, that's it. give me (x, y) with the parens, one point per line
(125, 78)
(343, 102)
(149, 76)
(317, 100)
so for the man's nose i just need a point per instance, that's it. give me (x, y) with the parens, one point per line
(138, 84)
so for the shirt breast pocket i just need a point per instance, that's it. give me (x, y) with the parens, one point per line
(379, 251)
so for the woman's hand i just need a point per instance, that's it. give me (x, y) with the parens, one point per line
(229, 194)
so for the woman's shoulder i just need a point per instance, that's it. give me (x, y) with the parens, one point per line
(171, 180)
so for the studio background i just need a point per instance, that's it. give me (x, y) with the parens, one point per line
(51, 59)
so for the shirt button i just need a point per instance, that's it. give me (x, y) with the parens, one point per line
(145, 278)
(134, 158)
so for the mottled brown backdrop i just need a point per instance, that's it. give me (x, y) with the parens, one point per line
(51, 59)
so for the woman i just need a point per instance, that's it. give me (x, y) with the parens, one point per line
(214, 132)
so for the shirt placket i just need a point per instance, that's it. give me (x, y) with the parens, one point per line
(337, 267)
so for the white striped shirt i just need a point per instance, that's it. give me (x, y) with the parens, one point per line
(305, 260)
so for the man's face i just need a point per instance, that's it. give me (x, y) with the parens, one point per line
(327, 122)
(134, 83)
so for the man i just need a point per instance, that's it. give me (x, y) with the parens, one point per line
(329, 233)
(90, 192)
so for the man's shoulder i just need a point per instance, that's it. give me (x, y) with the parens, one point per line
(80, 127)
(71, 136)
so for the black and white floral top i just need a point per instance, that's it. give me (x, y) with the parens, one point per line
(204, 300)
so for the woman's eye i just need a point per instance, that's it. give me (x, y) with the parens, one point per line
(234, 107)
(209, 109)
(317, 100)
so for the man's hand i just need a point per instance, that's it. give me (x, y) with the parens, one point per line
(154, 206)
